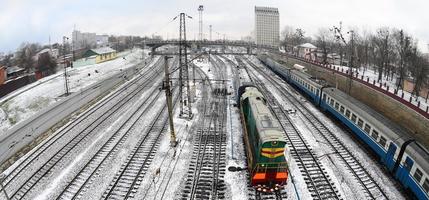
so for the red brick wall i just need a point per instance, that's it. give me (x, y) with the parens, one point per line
(2, 75)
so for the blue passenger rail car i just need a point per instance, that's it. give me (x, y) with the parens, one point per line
(405, 158)
(385, 138)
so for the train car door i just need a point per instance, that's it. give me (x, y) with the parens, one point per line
(388, 159)
(403, 172)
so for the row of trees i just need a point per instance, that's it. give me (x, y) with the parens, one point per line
(391, 52)
(24, 57)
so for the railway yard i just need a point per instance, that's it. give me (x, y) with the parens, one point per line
(120, 147)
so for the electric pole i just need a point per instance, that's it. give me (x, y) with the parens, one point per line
(351, 59)
(168, 96)
(210, 32)
(200, 11)
(184, 89)
(66, 84)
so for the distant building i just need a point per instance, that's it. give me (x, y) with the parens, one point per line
(82, 40)
(306, 50)
(94, 56)
(267, 26)
(42, 67)
(54, 53)
(3, 75)
(14, 72)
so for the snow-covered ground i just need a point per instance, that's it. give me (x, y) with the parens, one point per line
(388, 84)
(27, 101)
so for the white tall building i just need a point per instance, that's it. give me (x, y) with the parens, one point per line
(88, 40)
(267, 26)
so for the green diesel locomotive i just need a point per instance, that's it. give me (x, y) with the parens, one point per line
(265, 141)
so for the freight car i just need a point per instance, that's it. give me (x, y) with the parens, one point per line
(264, 139)
(402, 155)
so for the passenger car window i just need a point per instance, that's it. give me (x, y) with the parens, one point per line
(342, 109)
(374, 134)
(367, 128)
(418, 175)
(382, 141)
(354, 118)
(337, 105)
(426, 186)
(360, 123)
(348, 113)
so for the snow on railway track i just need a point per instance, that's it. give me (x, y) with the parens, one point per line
(59, 149)
(128, 179)
(204, 179)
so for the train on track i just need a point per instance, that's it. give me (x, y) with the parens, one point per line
(399, 152)
(265, 141)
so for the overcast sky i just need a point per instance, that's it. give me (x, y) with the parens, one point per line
(36, 20)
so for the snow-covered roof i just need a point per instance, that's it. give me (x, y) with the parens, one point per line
(43, 51)
(307, 45)
(13, 69)
(103, 50)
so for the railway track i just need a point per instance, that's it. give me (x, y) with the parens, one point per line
(56, 154)
(204, 179)
(367, 183)
(128, 179)
(96, 163)
(169, 164)
(318, 182)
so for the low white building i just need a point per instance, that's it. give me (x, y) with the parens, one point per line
(306, 50)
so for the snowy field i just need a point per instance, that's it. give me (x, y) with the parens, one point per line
(27, 101)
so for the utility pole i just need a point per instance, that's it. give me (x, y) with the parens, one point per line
(184, 89)
(351, 59)
(66, 84)
(200, 11)
(168, 96)
(210, 32)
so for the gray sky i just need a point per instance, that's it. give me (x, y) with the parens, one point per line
(36, 20)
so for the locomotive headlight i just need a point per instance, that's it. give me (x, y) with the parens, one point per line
(274, 143)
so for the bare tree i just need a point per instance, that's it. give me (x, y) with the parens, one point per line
(25, 55)
(287, 35)
(382, 50)
(403, 45)
(340, 40)
(7, 60)
(365, 49)
(419, 68)
(46, 63)
(324, 41)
